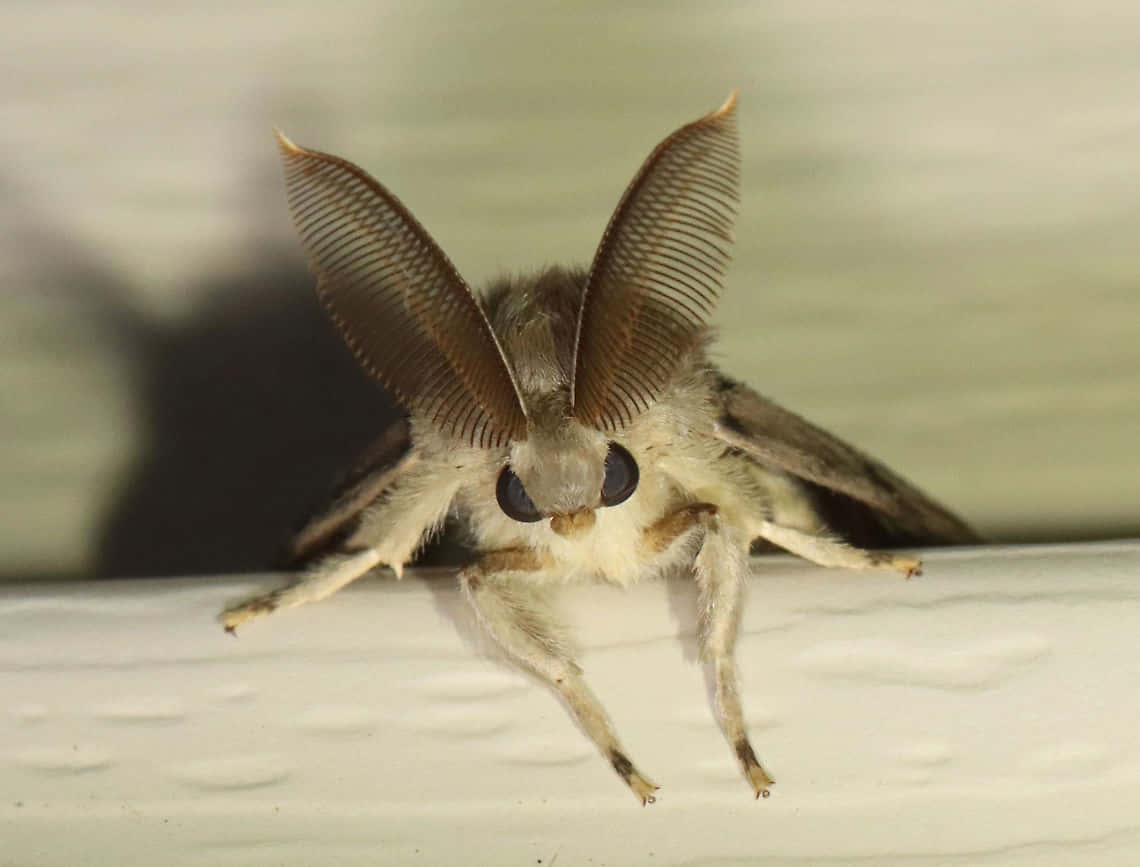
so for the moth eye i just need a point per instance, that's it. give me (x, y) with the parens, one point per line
(514, 500)
(621, 476)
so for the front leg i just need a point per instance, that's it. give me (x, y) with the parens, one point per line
(389, 533)
(517, 615)
(722, 572)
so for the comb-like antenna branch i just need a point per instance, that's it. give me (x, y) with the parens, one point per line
(400, 304)
(657, 273)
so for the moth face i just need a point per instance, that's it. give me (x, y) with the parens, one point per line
(564, 477)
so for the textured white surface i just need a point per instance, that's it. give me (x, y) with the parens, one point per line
(982, 714)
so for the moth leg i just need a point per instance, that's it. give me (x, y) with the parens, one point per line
(659, 536)
(329, 576)
(389, 534)
(517, 615)
(824, 551)
(722, 572)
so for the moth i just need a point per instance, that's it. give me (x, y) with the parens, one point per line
(575, 426)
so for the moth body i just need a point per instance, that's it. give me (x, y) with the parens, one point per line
(573, 424)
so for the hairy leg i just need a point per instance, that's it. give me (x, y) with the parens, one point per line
(329, 576)
(390, 532)
(825, 551)
(517, 615)
(722, 572)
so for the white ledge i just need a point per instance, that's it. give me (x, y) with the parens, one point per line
(985, 713)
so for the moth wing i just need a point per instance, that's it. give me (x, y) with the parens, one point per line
(856, 496)
(380, 467)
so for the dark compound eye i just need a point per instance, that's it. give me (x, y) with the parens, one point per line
(621, 476)
(514, 500)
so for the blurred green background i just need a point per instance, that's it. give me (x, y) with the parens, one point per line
(936, 255)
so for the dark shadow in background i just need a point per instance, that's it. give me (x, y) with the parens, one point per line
(250, 408)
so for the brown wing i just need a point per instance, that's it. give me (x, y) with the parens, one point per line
(857, 496)
(382, 463)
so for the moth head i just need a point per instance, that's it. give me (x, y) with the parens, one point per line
(563, 474)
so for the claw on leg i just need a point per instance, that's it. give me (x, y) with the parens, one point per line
(909, 566)
(259, 606)
(642, 789)
(753, 770)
